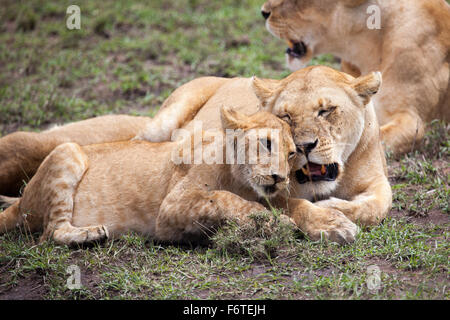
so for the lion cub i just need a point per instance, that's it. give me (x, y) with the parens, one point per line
(84, 194)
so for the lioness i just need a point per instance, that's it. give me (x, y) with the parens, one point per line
(411, 49)
(84, 194)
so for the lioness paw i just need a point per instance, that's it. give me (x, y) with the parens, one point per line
(333, 226)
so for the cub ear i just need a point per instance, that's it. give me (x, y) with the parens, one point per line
(368, 85)
(232, 119)
(266, 90)
(353, 3)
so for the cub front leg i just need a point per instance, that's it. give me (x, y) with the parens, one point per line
(196, 212)
(318, 223)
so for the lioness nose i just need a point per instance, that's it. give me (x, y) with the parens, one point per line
(307, 147)
(277, 178)
(265, 14)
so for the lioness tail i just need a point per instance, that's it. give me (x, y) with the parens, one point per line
(10, 218)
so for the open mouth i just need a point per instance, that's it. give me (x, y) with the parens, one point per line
(296, 49)
(317, 172)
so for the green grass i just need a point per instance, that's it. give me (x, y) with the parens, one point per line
(127, 58)
(413, 260)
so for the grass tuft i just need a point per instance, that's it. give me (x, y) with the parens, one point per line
(261, 240)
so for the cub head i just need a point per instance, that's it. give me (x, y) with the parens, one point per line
(308, 26)
(260, 149)
(326, 111)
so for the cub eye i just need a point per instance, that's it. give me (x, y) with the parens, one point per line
(286, 118)
(326, 112)
(267, 144)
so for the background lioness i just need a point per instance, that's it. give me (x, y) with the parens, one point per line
(411, 49)
(83, 194)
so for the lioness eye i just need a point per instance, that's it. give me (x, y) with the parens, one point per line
(291, 155)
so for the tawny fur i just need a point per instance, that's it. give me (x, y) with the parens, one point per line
(412, 50)
(83, 194)
(21, 153)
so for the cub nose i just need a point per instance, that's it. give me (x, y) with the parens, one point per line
(265, 14)
(307, 147)
(277, 178)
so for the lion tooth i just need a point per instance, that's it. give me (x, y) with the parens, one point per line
(323, 170)
(305, 171)
(290, 44)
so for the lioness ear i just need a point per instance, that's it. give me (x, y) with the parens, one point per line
(368, 85)
(266, 91)
(232, 119)
(353, 3)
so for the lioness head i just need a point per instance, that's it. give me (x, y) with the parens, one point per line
(309, 26)
(262, 149)
(326, 111)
